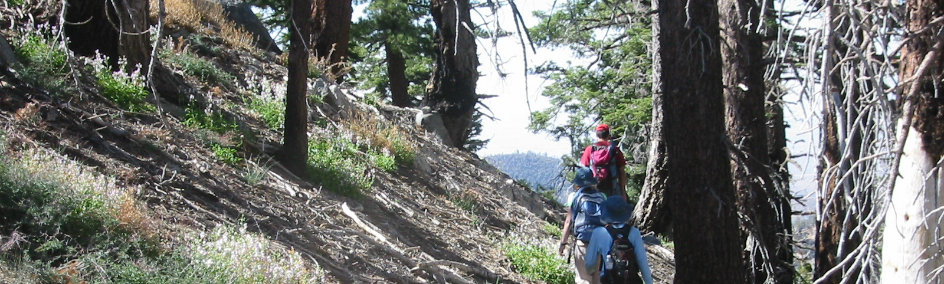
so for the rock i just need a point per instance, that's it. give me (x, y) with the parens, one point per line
(7, 57)
(241, 13)
(432, 122)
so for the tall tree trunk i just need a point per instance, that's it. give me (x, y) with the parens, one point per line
(134, 39)
(294, 151)
(118, 30)
(652, 211)
(701, 192)
(912, 238)
(745, 96)
(333, 21)
(451, 90)
(396, 72)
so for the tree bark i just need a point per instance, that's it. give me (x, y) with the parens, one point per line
(396, 71)
(451, 90)
(118, 30)
(699, 188)
(742, 52)
(652, 212)
(912, 248)
(333, 21)
(294, 151)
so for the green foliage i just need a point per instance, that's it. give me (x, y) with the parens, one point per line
(87, 226)
(381, 141)
(127, 91)
(465, 201)
(538, 263)
(227, 154)
(383, 161)
(271, 110)
(552, 229)
(404, 27)
(804, 273)
(635, 178)
(43, 60)
(254, 173)
(613, 88)
(208, 119)
(196, 66)
(335, 163)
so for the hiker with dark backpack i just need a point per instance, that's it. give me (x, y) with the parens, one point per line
(619, 245)
(583, 216)
(607, 163)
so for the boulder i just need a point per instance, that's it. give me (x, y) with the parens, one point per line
(7, 57)
(241, 13)
(431, 121)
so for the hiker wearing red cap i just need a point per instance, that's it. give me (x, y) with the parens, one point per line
(607, 163)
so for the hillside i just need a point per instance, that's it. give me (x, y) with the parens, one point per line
(539, 170)
(201, 172)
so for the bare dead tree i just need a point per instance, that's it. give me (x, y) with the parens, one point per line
(849, 72)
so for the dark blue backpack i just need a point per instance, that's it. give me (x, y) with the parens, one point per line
(586, 209)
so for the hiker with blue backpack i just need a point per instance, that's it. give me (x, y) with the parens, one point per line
(607, 162)
(619, 245)
(583, 216)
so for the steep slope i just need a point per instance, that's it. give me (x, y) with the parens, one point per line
(445, 216)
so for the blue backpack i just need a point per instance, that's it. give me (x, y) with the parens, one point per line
(586, 209)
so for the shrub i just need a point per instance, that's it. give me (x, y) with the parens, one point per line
(43, 60)
(126, 90)
(271, 110)
(383, 137)
(193, 14)
(208, 119)
(254, 173)
(234, 255)
(334, 163)
(196, 66)
(465, 201)
(80, 227)
(552, 229)
(227, 154)
(538, 263)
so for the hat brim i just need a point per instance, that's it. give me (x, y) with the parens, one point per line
(616, 210)
(585, 182)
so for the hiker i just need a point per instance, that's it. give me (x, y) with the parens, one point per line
(583, 216)
(607, 163)
(619, 244)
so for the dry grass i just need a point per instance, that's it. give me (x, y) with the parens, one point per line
(205, 17)
(380, 135)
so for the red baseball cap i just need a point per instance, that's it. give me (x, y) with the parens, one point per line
(603, 127)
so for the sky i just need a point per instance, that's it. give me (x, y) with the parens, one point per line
(508, 133)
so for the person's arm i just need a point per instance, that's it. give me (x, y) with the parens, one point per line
(598, 247)
(622, 181)
(565, 234)
(641, 258)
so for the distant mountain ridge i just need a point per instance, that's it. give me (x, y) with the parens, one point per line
(538, 169)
